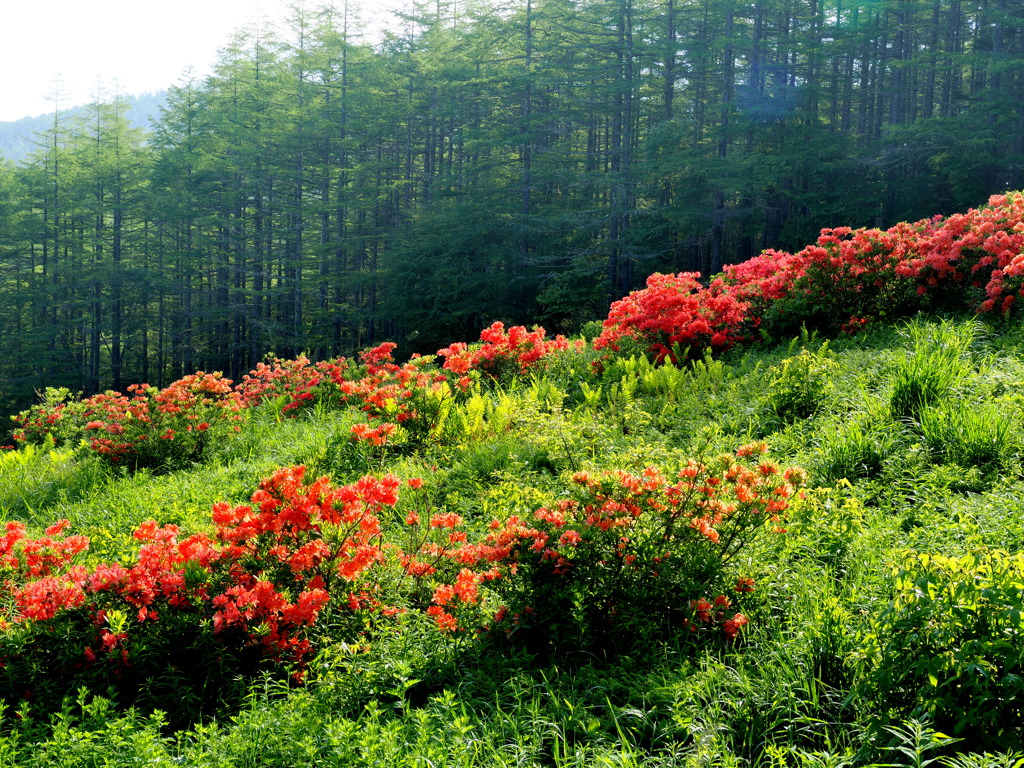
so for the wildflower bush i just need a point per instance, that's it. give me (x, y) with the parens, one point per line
(292, 385)
(415, 396)
(674, 315)
(845, 278)
(979, 253)
(160, 429)
(171, 428)
(252, 590)
(627, 551)
(972, 261)
(57, 419)
(503, 354)
(622, 550)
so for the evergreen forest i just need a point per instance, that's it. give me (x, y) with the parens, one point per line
(524, 161)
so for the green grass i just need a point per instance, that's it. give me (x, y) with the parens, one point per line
(910, 435)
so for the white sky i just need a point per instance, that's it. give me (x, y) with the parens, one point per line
(134, 46)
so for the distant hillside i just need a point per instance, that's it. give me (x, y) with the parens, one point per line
(16, 136)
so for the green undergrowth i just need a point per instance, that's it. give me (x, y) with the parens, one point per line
(884, 627)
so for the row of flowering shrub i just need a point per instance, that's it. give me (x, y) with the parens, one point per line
(619, 550)
(972, 261)
(171, 427)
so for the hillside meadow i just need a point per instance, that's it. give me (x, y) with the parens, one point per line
(772, 519)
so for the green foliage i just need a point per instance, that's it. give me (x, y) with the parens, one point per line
(800, 386)
(825, 525)
(985, 760)
(935, 364)
(978, 436)
(913, 743)
(174, 667)
(858, 448)
(950, 645)
(505, 455)
(36, 478)
(91, 730)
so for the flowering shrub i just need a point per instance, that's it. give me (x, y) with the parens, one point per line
(148, 427)
(675, 313)
(628, 550)
(161, 428)
(979, 253)
(854, 273)
(409, 394)
(413, 396)
(165, 429)
(502, 354)
(57, 418)
(845, 277)
(624, 550)
(762, 280)
(296, 384)
(314, 540)
(258, 583)
(971, 261)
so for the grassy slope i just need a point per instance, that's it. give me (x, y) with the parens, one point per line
(795, 691)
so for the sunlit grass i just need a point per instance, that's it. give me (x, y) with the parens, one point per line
(891, 449)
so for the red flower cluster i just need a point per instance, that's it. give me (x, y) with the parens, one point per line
(297, 382)
(983, 248)
(376, 436)
(841, 281)
(715, 613)
(294, 540)
(504, 353)
(675, 312)
(36, 424)
(845, 277)
(147, 427)
(411, 394)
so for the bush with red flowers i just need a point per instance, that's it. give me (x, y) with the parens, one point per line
(161, 429)
(623, 549)
(675, 316)
(158, 429)
(503, 354)
(972, 261)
